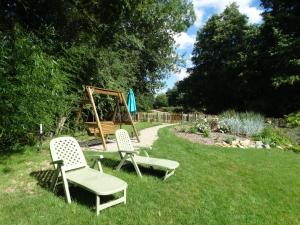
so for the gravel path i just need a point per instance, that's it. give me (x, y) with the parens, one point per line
(147, 137)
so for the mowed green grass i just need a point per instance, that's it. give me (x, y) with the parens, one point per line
(212, 186)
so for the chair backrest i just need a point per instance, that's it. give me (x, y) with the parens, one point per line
(123, 141)
(68, 150)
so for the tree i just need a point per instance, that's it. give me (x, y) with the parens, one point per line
(218, 77)
(111, 44)
(280, 55)
(161, 100)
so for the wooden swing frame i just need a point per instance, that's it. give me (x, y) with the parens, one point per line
(102, 128)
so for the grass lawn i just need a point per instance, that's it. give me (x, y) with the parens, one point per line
(82, 135)
(212, 186)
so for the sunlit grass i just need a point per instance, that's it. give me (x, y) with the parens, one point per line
(212, 186)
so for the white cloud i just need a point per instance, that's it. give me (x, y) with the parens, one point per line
(181, 74)
(183, 40)
(189, 62)
(201, 6)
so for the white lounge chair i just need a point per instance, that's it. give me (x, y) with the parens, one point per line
(71, 167)
(129, 154)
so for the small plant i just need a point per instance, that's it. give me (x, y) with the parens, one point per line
(295, 148)
(203, 127)
(293, 119)
(268, 141)
(252, 126)
(223, 127)
(247, 123)
(213, 123)
(274, 137)
(182, 128)
(193, 129)
(230, 139)
(206, 133)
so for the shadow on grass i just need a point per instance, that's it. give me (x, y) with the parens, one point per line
(128, 167)
(78, 194)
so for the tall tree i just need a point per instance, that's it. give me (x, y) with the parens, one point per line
(113, 44)
(218, 78)
(280, 55)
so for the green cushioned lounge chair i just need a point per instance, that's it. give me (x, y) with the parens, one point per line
(71, 167)
(129, 154)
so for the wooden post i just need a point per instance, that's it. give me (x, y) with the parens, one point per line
(90, 94)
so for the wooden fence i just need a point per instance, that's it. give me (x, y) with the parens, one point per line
(166, 117)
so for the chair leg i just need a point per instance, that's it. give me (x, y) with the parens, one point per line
(168, 174)
(54, 181)
(125, 196)
(136, 167)
(97, 204)
(66, 185)
(122, 162)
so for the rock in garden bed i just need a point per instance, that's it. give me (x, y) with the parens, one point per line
(221, 139)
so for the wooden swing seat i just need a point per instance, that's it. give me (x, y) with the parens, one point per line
(103, 128)
(108, 127)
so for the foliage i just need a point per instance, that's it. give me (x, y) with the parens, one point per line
(203, 127)
(245, 67)
(247, 123)
(274, 137)
(293, 119)
(49, 50)
(183, 128)
(230, 139)
(160, 101)
(145, 102)
(295, 148)
(173, 109)
(34, 90)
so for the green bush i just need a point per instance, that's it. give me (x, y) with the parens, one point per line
(274, 137)
(183, 128)
(293, 119)
(295, 148)
(193, 129)
(230, 139)
(203, 127)
(34, 91)
(246, 123)
(161, 100)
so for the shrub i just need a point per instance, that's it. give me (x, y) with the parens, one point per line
(295, 148)
(274, 137)
(247, 123)
(293, 119)
(230, 139)
(161, 100)
(193, 129)
(34, 91)
(213, 123)
(183, 128)
(206, 133)
(203, 127)
(252, 127)
(223, 127)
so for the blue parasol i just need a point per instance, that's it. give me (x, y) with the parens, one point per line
(131, 102)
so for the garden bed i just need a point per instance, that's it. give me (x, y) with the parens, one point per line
(242, 130)
(215, 138)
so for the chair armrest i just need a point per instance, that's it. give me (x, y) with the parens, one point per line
(58, 162)
(98, 162)
(145, 151)
(129, 152)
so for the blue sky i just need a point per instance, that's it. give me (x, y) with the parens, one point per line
(204, 9)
